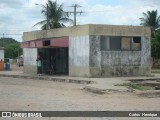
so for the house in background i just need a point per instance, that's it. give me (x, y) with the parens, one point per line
(1, 53)
(1, 58)
(90, 50)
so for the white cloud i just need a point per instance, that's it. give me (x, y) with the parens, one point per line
(18, 16)
(127, 14)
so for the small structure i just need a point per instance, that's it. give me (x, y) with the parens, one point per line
(1, 58)
(2, 53)
(90, 50)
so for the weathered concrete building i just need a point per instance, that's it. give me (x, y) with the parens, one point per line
(91, 50)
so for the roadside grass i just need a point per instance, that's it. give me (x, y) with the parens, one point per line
(155, 70)
(136, 86)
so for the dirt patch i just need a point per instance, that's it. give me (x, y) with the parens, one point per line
(144, 87)
(40, 95)
(149, 93)
(15, 67)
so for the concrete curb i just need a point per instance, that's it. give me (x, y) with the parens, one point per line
(95, 90)
(103, 91)
(88, 84)
(49, 78)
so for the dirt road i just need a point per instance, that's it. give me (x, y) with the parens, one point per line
(15, 67)
(40, 95)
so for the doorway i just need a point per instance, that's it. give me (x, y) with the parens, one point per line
(60, 63)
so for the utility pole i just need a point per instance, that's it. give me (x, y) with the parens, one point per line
(75, 12)
(47, 26)
(3, 41)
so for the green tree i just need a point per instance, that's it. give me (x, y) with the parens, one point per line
(151, 19)
(11, 47)
(6, 41)
(56, 16)
(155, 45)
(12, 50)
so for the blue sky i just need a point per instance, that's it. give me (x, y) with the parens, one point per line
(18, 16)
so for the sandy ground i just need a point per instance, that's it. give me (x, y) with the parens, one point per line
(40, 95)
(15, 67)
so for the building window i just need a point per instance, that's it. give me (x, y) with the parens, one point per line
(136, 43)
(46, 43)
(115, 43)
(126, 43)
(105, 43)
(118, 43)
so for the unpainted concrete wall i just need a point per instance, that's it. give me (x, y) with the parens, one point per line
(79, 56)
(119, 63)
(89, 29)
(95, 56)
(30, 63)
(119, 30)
(79, 30)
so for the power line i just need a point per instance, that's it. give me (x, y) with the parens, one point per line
(75, 12)
(10, 34)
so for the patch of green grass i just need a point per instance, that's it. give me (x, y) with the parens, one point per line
(155, 71)
(137, 87)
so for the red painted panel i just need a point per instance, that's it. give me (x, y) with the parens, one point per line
(39, 44)
(32, 44)
(60, 42)
(56, 42)
(24, 44)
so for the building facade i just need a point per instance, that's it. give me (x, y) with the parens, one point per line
(2, 53)
(91, 50)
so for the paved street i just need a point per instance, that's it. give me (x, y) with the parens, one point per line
(39, 95)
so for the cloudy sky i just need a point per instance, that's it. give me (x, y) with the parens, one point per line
(18, 16)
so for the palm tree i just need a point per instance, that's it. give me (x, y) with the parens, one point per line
(151, 19)
(55, 15)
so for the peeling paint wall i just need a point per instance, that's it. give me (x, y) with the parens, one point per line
(146, 51)
(79, 56)
(85, 55)
(95, 56)
(119, 63)
(30, 63)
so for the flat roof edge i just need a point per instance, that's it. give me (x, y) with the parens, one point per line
(88, 29)
(57, 32)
